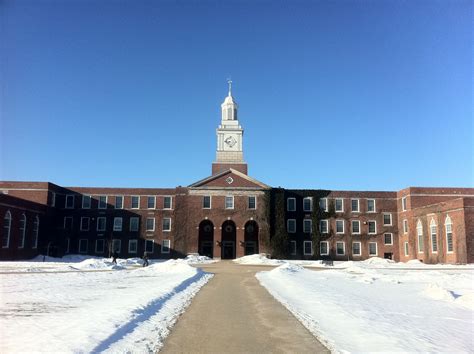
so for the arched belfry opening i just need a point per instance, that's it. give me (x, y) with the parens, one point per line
(206, 238)
(228, 240)
(251, 237)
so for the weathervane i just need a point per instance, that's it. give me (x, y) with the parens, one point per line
(229, 81)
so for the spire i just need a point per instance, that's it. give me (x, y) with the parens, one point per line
(229, 81)
(229, 106)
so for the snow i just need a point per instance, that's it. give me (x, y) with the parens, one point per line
(380, 305)
(87, 304)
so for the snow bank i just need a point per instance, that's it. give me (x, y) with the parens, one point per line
(258, 259)
(196, 259)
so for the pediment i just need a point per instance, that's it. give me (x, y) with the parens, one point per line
(229, 179)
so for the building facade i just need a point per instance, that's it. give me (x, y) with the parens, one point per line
(230, 214)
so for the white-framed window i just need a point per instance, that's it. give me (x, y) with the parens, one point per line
(167, 202)
(99, 246)
(68, 245)
(340, 248)
(86, 202)
(118, 202)
(355, 226)
(308, 248)
(405, 244)
(151, 202)
(36, 231)
(68, 223)
(149, 246)
(356, 248)
(83, 246)
(355, 205)
(166, 246)
(132, 246)
(339, 205)
(307, 226)
(166, 225)
(323, 204)
(118, 224)
(434, 236)
(387, 219)
(293, 248)
(252, 202)
(135, 200)
(134, 222)
(404, 203)
(291, 226)
(229, 202)
(339, 226)
(206, 202)
(324, 248)
(372, 224)
(323, 226)
(419, 233)
(405, 226)
(85, 223)
(388, 239)
(117, 245)
(102, 202)
(291, 204)
(449, 234)
(150, 224)
(69, 201)
(308, 204)
(7, 226)
(101, 223)
(371, 205)
(53, 200)
(22, 231)
(372, 249)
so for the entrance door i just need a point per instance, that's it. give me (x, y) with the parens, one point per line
(206, 249)
(250, 248)
(228, 240)
(387, 255)
(228, 250)
(206, 238)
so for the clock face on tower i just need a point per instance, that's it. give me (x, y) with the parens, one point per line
(230, 141)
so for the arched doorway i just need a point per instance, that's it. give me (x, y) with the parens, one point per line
(228, 240)
(206, 238)
(251, 237)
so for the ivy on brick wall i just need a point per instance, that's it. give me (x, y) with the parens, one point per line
(279, 236)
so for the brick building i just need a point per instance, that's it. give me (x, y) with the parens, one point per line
(230, 214)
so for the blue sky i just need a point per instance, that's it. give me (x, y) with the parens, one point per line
(353, 95)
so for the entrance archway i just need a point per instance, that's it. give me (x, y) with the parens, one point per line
(206, 238)
(228, 240)
(251, 237)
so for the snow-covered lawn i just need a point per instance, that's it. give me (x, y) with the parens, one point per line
(91, 305)
(378, 305)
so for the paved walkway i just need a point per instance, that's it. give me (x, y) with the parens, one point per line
(233, 313)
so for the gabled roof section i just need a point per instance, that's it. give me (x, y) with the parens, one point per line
(229, 179)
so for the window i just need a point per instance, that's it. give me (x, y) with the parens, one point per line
(118, 202)
(116, 245)
(83, 246)
(166, 246)
(308, 248)
(150, 224)
(449, 235)
(388, 239)
(99, 246)
(355, 205)
(339, 205)
(355, 226)
(293, 248)
(68, 223)
(323, 226)
(117, 224)
(356, 249)
(404, 203)
(101, 223)
(419, 233)
(85, 223)
(206, 202)
(252, 202)
(387, 219)
(86, 202)
(307, 226)
(291, 204)
(323, 248)
(132, 246)
(405, 226)
(371, 205)
(167, 203)
(22, 231)
(229, 202)
(135, 202)
(68, 245)
(340, 248)
(69, 201)
(323, 204)
(166, 224)
(134, 223)
(53, 200)
(291, 226)
(372, 248)
(308, 204)
(405, 244)
(102, 202)
(36, 231)
(339, 226)
(7, 225)
(151, 201)
(434, 239)
(372, 227)
(149, 246)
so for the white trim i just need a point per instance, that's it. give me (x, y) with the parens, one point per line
(406, 249)
(168, 247)
(210, 201)
(248, 202)
(130, 223)
(391, 239)
(360, 249)
(116, 241)
(99, 202)
(326, 208)
(326, 221)
(115, 226)
(449, 222)
(171, 202)
(343, 226)
(121, 204)
(358, 206)
(375, 207)
(310, 204)
(146, 224)
(352, 227)
(376, 249)
(368, 227)
(88, 223)
(288, 204)
(304, 248)
(135, 242)
(343, 248)
(90, 201)
(383, 219)
(36, 225)
(310, 226)
(292, 248)
(419, 236)
(131, 201)
(98, 223)
(435, 234)
(327, 248)
(97, 243)
(53, 200)
(66, 203)
(405, 226)
(163, 225)
(148, 202)
(288, 226)
(225, 202)
(72, 222)
(404, 203)
(342, 205)
(23, 221)
(81, 241)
